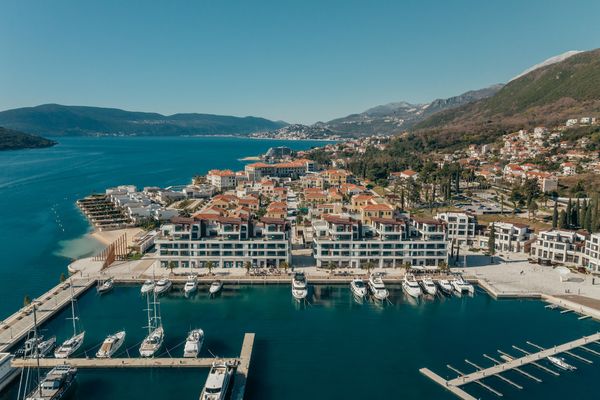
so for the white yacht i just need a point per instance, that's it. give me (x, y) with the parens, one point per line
(72, 344)
(44, 347)
(162, 286)
(561, 363)
(147, 287)
(215, 287)
(358, 288)
(106, 286)
(445, 286)
(111, 344)
(429, 286)
(191, 285)
(55, 385)
(299, 287)
(411, 286)
(377, 287)
(193, 343)
(461, 286)
(156, 334)
(217, 382)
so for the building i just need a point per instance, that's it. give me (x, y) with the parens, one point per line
(460, 226)
(511, 237)
(559, 246)
(225, 241)
(293, 169)
(591, 253)
(221, 179)
(386, 242)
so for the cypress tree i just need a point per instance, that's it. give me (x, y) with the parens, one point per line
(588, 219)
(492, 242)
(562, 219)
(582, 212)
(575, 215)
(568, 214)
(555, 215)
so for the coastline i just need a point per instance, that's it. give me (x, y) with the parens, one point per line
(108, 237)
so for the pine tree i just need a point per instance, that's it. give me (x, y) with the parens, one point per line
(555, 215)
(562, 219)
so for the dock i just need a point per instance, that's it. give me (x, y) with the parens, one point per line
(509, 363)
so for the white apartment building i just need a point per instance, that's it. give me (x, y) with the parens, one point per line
(511, 237)
(387, 242)
(226, 242)
(591, 253)
(221, 179)
(460, 226)
(559, 246)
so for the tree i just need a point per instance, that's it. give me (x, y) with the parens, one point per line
(492, 242)
(26, 301)
(284, 265)
(562, 219)
(588, 219)
(331, 266)
(210, 265)
(568, 214)
(555, 215)
(369, 266)
(62, 277)
(248, 266)
(532, 208)
(172, 265)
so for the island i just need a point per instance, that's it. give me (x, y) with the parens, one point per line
(15, 140)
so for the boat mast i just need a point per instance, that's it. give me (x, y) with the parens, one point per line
(149, 326)
(35, 341)
(73, 310)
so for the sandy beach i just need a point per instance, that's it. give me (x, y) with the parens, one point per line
(107, 237)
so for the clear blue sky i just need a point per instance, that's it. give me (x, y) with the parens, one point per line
(299, 61)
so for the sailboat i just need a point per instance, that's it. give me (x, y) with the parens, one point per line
(156, 334)
(72, 344)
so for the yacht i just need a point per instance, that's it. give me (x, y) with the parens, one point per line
(44, 347)
(429, 286)
(156, 334)
(193, 343)
(162, 286)
(217, 382)
(445, 286)
(106, 286)
(561, 363)
(111, 344)
(411, 286)
(215, 287)
(191, 285)
(461, 286)
(299, 288)
(72, 344)
(55, 385)
(147, 287)
(358, 288)
(377, 287)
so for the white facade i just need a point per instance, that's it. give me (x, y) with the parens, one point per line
(559, 246)
(511, 237)
(591, 256)
(222, 180)
(460, 226)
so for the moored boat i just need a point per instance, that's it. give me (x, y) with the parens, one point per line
(445, 286)
(193, 343)
(429, 286)
(561, 363)
(55, 385)
(217, 383)
(358, 288)
(111, 344)
(162, 286)
(106, 286)
(411, 286)
(147, 287)
(461, 286)
(71, 345)
(299, 286)
(156, 334)
(44, 347)
(215, 287)
(191, 285)
(377, 287)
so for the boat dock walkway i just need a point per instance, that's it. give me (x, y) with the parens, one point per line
(510, 363)
(19, 325)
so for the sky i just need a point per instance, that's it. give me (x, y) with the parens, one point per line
(298, 61)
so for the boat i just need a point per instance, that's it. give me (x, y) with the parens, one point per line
(105, 286)
(111, 344)
(147, 287)
(215, 287)
(358, 288)
(72, 344)
(561, 363)
(55, 385)
(44, 347)
(461, 286)
(299, 288)
(156, 334)
(7, 372)
(191, 285)
(193, 343)
(217, 382)
(445, 286)
(429, 286)
(377, 287)
(411, 286)
(162, 286)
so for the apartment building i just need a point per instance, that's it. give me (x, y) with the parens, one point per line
(225, 241)
(511, 237)
(460, 226)
(293, 169)
(221, 179)
(559, 246)
(591, 253)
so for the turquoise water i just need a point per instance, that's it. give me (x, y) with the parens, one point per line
(331, 349)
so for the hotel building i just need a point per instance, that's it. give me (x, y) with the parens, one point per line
(460, 226)
(591, 253)
(559, 246)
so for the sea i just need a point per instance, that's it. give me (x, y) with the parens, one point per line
(330, 347)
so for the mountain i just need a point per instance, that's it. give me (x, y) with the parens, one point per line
(398, 117)
(550, 61)
(59, 120)
(14, 140)
(546, 96)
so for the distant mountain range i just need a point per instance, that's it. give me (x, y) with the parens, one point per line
(59, 120)
(14, 140)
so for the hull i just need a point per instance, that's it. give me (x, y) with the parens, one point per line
(69, 347)
(107, 350)
(299, 294)
(192, 347)
(412, 291)
(152, 343)
(162, 289)
(215, 288)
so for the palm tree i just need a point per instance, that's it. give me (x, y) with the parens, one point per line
(172, 264)
(284, 265)
(248, 266)
(26, 301)
(369, 266)
(330, 266)
(210, 265)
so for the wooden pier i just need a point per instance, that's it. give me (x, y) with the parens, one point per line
(510, 363)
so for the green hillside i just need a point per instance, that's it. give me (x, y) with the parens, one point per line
(14, 140)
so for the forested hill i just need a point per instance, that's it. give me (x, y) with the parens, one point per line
(14, 140)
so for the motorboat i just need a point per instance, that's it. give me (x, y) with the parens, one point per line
(411, 286)
(148, 286)
(445, 286)
(561, 363)
(55, 385)
(217, 383)
(299, 287)
(44, 347)
(215, 287)
(111, 344)
(461, 286)
(429, 286)
(377, 287)
(162, 286)
(71, 345)
(193, 343)
(106, 286)
(358, 288)
(191, 285)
